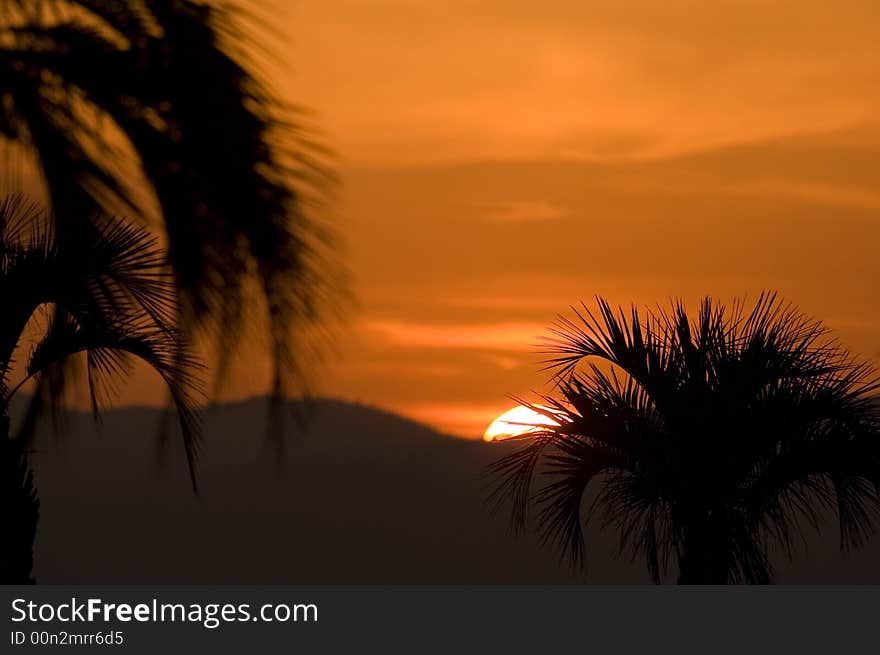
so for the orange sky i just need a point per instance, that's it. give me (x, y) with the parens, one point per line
(412, 80)
(503, 159)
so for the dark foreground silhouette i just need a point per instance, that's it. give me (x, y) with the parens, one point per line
(20, 509)
(703, 440)
(128, 101)
(61, 308)
(368, 498)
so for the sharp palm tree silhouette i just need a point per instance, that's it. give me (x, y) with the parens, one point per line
(703, 442)
(87, 83)
(111, 306)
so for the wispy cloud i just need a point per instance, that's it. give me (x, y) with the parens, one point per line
(511, 336)
(804, 191)
(525, 212)
(595, 79)
(814, 193)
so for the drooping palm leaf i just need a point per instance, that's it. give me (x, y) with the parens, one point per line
(234, 175)
(113, 304)
(108, 345)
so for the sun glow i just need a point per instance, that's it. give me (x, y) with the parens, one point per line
(515, 422)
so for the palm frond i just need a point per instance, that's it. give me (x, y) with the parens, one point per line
(107, 346)
(710, 438)
(115, 304)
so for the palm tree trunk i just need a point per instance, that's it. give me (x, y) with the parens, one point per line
(19, 510)
(700, 562)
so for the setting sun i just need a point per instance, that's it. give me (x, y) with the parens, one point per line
(515, 422)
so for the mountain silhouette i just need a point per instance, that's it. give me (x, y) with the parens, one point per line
(363, 497)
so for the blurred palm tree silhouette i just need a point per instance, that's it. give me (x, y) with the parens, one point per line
(703, 442)
(114, 305)
(87, 84)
